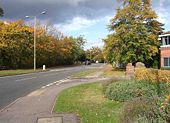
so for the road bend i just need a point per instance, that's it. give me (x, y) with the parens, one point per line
(14, 87)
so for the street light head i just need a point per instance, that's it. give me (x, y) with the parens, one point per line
(27, 16)
(44, 12)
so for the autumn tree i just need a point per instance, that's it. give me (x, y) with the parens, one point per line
(52, 47)
(135, 33)
(16, 41)
(95, 54)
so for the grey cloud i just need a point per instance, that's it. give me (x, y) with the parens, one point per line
(58, 10)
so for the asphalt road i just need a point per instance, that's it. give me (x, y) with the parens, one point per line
(14, 87)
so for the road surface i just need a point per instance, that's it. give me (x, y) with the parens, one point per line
(14, 87)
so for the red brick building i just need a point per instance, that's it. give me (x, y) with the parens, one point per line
(165, 50)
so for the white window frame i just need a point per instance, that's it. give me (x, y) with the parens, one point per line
(168, 61)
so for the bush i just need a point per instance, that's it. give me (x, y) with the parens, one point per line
(152, 75)
(105, 84)
(146, 74)
(164, 76)
(126, 90)
(165, 108)
(142, 110)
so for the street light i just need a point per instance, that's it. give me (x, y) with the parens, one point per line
(35, 28)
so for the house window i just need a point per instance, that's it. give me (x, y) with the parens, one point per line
(166, 40)
(167, 62)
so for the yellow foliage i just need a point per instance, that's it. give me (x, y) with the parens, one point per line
(164, 76)
(152, 75)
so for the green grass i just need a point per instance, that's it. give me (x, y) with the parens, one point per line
(84, 73)
(17, 72)
(109, 71)
(114, 73)
(89, 103)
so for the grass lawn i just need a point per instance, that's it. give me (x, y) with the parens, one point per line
(84, 73)
(110, 72)
(17, 72)
(89, 103)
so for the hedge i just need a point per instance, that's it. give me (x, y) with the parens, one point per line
(152, 75)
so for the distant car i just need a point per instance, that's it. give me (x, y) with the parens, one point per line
(89, 63)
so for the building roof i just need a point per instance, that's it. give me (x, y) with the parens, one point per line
(168, 32)
(165, 34)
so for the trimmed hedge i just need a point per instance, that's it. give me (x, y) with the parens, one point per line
(126, 90)
(164, 76)
(152, 75)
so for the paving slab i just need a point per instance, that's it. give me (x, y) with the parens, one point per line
(50, 120)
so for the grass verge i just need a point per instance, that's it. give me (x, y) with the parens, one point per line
(17, 72)
(84, 73)
(89, 103)
(110, 72)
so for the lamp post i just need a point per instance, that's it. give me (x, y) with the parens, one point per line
(35, 28)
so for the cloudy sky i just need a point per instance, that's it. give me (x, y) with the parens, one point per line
(77, 17)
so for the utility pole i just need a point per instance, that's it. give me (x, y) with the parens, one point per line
(35, 33)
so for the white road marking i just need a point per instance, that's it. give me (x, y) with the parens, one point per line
(59, 82)
(50, 74)
(47, 85)
(43, 87)
(25, 79)
(50, 84)
(58, 70)
(56, 83)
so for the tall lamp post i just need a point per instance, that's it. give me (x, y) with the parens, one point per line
(35, 28)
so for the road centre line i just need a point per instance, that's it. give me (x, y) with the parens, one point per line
(25, 79)
(50, 74)
(56, 70)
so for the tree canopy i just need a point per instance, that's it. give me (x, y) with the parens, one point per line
(16, 46)
(134, 36)
(95, 54)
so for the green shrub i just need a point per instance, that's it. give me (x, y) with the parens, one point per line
(139, 109)
(126, 90)
(144, 110)
(105, 84)
(144, 119)
(165, 108)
